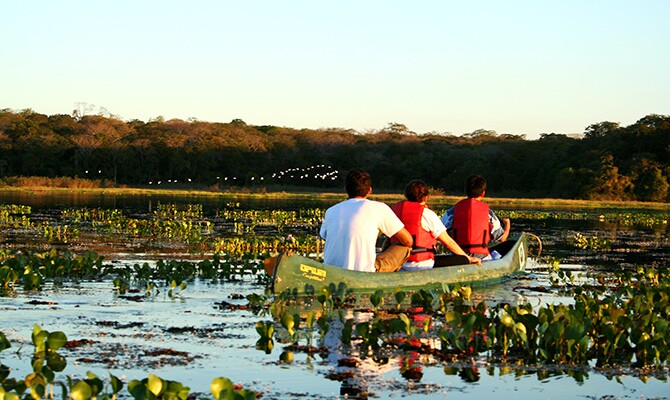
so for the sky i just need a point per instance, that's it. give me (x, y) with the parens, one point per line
(522, 67)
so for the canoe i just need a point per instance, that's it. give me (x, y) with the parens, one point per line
(303, 276)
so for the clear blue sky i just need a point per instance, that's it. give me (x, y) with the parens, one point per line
(518, 67)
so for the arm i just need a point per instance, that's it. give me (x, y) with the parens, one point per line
(500, 228)
(450, 244)
(506, 223)
(323, 231)
(448, 218)
(404, 237)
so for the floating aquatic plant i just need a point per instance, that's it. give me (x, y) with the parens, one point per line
(622, 324)
(46, 362)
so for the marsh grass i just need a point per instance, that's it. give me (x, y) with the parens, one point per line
(62, 182)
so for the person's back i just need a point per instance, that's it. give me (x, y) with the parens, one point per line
(426, 230)
(351, 233)
(473, 224)
(351, 228)
(411, 213)
(471, 228)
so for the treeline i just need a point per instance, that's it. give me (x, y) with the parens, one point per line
(609, 162)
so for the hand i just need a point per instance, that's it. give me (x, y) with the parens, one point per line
(475, 260)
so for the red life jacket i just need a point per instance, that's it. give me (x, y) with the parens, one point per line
(410, 213)
(471, 227)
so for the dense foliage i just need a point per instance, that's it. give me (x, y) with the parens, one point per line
(610, 162)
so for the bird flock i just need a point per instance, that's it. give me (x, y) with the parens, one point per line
(319, 173)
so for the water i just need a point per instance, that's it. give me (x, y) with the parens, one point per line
(191, 339)
(131, 339)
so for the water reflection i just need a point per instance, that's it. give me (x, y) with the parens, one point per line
(145, 202)
(225, 346)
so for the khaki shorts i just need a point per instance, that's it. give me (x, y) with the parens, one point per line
(392, 259)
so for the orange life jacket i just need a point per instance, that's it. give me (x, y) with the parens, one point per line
(471, 228)
(410, 213)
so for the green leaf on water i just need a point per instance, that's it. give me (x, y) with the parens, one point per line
(56, 362)
(156, 385)
(81, 391)
(309, 321)
(220, 386)
(137, 389)
(400, 297)
(4, 343)
(506, 319)
(287, 322)
(377, 298)
(56, 340)
(116, 383)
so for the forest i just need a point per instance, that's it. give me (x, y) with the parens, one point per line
(607, 162)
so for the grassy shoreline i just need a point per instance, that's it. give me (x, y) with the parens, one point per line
(434, 200)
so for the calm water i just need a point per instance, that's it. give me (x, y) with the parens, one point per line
(131, 339)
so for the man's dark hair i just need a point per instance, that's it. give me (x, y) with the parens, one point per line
(357, 183)
(416, 190)
(475, 186)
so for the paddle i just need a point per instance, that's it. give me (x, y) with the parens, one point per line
(269, 264)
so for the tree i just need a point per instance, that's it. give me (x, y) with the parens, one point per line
(655, 121)
(601, 129)
(630, 162)
(572, 183)
(100, 132)
(395, 128)
(649, 182)
(82, 109)
(608, 184)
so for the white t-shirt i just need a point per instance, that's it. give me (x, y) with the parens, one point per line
(350, 229)
(432, 223)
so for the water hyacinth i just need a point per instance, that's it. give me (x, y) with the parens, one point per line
(620, 325)
(231, 231)
(615, 321)
(46, 362)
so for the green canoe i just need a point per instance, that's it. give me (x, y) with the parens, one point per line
(300, 275)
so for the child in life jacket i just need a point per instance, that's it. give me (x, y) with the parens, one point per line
(426, 230)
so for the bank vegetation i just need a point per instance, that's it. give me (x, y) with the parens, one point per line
(607, 162)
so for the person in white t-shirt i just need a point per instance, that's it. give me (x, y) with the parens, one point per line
(351, 228)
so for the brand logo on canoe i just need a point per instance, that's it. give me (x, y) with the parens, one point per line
(313, 273)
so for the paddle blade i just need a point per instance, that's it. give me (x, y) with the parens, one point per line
(269, 264)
